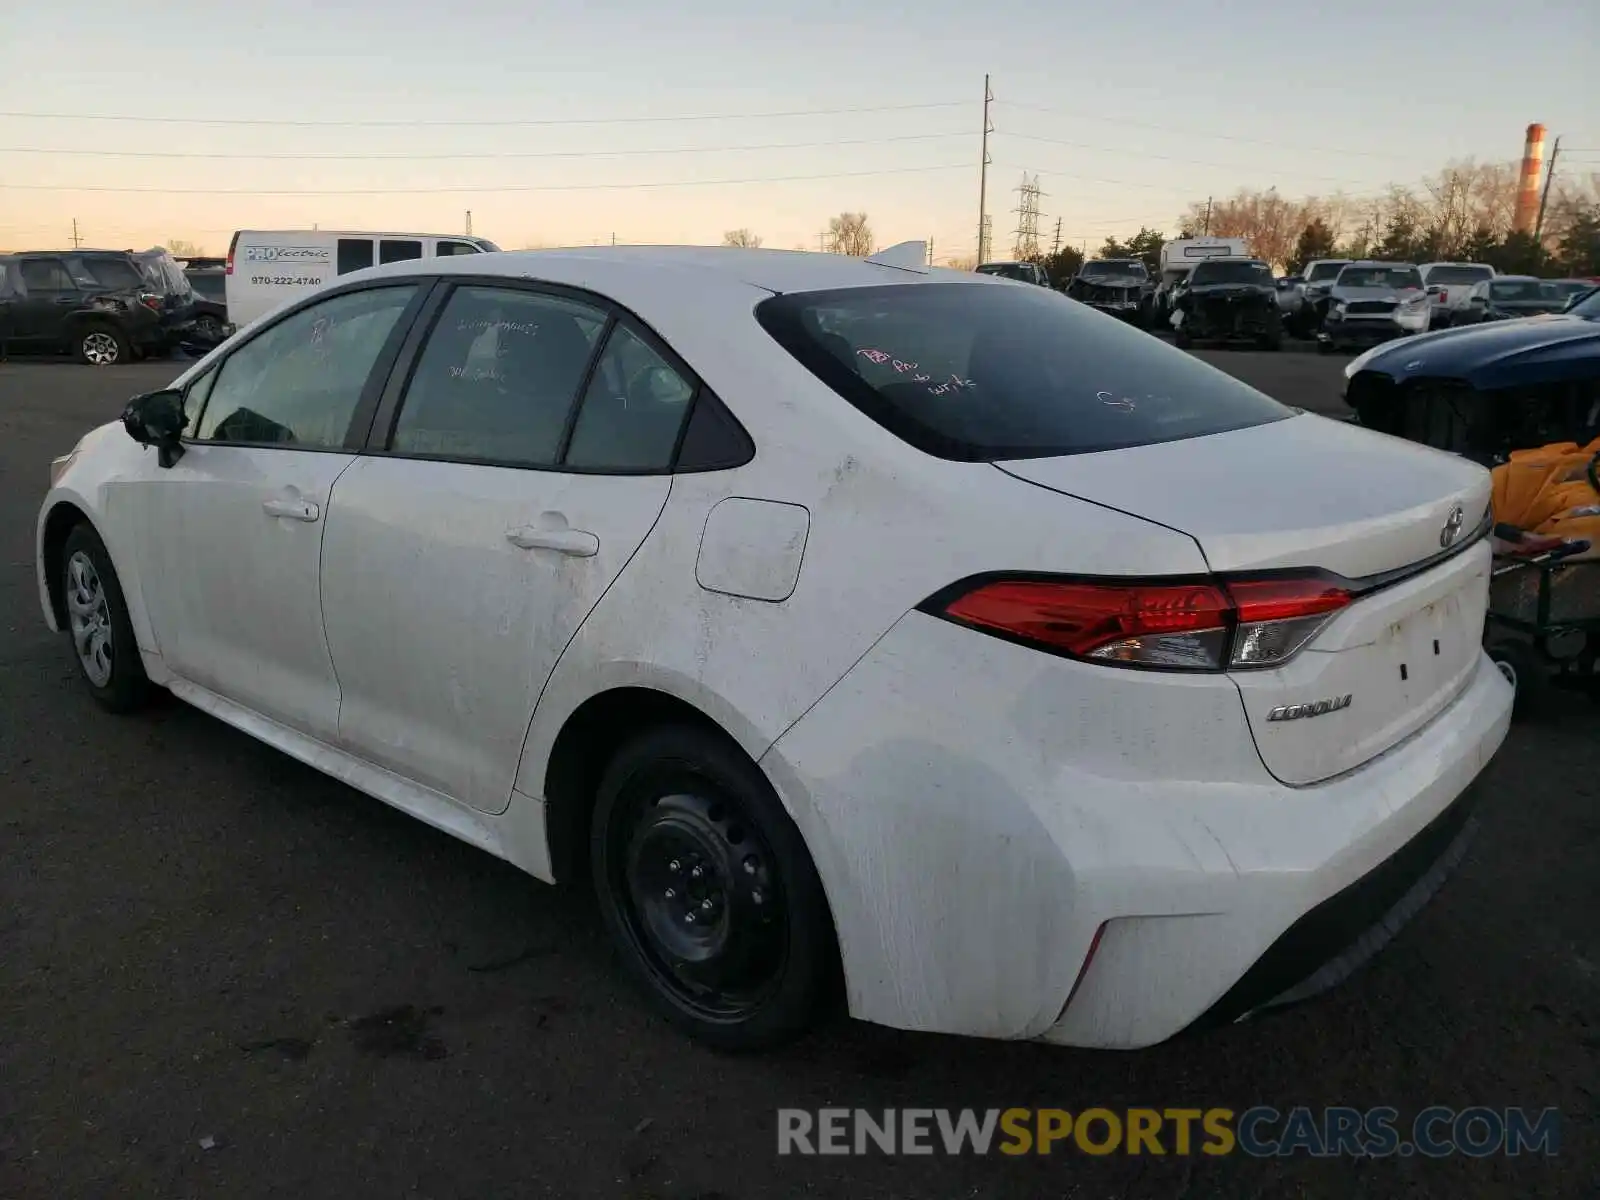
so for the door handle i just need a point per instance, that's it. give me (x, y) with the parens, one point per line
(293, 510)
(578, 543)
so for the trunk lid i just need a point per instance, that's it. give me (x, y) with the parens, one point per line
(1316, 494)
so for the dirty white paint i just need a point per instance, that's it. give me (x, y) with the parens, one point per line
(976, 810)
(752, 548)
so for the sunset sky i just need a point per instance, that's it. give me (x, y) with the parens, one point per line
(404, 115)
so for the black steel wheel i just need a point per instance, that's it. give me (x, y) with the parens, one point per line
(708, 890)
(1526, 670)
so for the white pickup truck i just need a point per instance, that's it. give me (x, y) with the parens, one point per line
(1450, 287)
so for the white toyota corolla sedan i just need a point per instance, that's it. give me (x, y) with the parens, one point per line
(915, 633)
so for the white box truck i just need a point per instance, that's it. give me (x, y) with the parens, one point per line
(267, 268)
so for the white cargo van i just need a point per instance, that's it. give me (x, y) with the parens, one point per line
(267, 268)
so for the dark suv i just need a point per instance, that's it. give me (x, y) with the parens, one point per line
(105, 306)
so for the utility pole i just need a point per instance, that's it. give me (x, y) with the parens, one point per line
(469, 222)
(1055, 247)
(1208, 216)
(1544, 196)
(983, 172)
(76, 240)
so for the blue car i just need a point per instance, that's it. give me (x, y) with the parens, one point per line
(1485, 390)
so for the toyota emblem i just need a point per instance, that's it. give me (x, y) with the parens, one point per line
(1452, 526)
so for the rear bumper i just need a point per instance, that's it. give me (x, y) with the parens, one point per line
(982, 815)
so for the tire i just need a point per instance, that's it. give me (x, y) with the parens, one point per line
(98, 344)
(1272, 341)
(1324, 347)
(1527, 671)
(102, 638)
(707, 888)
(208, 328)
(1181, 338)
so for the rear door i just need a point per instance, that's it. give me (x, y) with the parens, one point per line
(507, 508)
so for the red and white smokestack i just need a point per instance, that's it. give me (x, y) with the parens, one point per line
(1527, 210)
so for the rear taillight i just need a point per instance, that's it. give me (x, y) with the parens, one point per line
(1207, 625)
(229, 270)
(150, 301)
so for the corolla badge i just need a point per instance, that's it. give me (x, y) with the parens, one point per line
(1452, 526)
(1316, 708)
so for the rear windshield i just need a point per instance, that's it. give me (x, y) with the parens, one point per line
(1394, 278)
(211, 285)
(1460, 274)
(977, 373)
(1521, 289)
(1324, 271)
(1094, 270)
(1231, 272)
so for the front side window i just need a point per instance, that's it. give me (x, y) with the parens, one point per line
(980, 373)
(298, 383)
(632, 409)
(1325, 271)
(498, 377)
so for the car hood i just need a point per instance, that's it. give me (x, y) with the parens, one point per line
(1499, 354)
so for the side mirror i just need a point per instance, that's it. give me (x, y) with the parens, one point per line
(157, 419)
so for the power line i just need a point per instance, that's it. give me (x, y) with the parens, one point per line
(1225, 137)
(406, 123)
(1197, 162)
(509, 187)
(509, 154)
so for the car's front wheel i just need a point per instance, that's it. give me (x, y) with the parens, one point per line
(97, 622)
(708, 889)
(100, 345)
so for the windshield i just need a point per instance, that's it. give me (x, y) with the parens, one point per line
(1449, 275)
(1588, 307)
(1394, 278)
(1522, 290)
(1231, 272)
(1111, 267)
(979, 374)
(1323, 272)
(1022, 271)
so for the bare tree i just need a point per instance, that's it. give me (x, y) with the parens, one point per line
(179, 248)
(741, 238)
(967, 263)
(849, 233)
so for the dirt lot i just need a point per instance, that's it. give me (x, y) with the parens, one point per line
(224, 975)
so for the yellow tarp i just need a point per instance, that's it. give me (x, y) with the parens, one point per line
(1547, 491)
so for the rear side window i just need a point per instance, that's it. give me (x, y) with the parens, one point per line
(632, 410)
(443, 247)
(355, 254)
(983, 373)
(117, 274)
(45, 275)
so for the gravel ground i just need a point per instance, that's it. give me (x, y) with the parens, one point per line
(222, 974)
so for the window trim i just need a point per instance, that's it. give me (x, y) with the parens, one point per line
(380, 431)
(371, 389)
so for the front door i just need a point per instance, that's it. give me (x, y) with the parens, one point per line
(463, 555)
(230, 538)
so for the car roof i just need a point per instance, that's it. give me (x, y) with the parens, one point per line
(776, 271)
(1380, 262)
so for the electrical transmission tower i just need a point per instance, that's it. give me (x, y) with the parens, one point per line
(1027, 210)
(986, 239)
